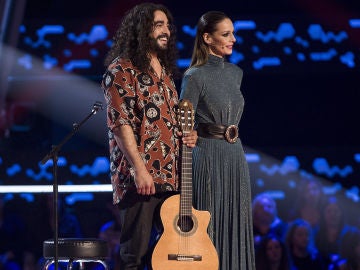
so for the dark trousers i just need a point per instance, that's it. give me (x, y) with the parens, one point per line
(140, 216)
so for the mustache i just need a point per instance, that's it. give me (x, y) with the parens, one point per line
(163, 36)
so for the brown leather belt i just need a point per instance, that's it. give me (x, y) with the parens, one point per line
(215, 131)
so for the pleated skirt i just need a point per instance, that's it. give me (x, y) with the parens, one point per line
(221, 185)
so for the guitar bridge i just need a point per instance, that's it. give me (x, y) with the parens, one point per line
(181, 257)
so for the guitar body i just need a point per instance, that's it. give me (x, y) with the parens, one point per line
(189, 248)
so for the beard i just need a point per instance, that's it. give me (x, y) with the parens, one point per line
(156, 46)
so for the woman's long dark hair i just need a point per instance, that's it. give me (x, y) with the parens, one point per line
(132, 39)
(261, 258)
(206, 24)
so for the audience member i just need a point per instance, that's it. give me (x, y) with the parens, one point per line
(303, 255)
(332, 227)
(308, 201)
(349, 252)
(272, 254)
(42, 224)
(110, 232)
(12, 235)
(265, 218)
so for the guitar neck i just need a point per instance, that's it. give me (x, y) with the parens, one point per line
(186, 182)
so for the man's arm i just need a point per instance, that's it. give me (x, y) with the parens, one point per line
(125, 138)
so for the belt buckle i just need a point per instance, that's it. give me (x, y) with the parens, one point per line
(231, 133)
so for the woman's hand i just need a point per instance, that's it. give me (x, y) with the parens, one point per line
(189, 139)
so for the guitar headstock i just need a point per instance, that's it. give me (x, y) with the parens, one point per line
(185, 116)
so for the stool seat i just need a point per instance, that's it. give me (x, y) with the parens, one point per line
(76, 250)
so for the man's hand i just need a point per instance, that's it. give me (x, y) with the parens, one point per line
(144, 183)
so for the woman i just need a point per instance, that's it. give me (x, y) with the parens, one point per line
(308, 201)
(299, 243)
(332, 227)
(272, 254)
(220, 172)
(349, 252)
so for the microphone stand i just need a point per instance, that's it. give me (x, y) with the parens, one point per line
(53, 154)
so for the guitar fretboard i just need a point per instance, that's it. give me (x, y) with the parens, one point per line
(186, 182)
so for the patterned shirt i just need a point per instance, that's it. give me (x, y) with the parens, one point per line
(148, 104)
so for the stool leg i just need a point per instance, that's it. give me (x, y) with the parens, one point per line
(104, 264)
(48, 263)
(70, 264)
(81, 265)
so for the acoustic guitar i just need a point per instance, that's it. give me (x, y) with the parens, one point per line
(184, 243)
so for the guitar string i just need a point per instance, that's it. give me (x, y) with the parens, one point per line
(185, 216)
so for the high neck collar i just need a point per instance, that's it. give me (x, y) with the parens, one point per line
(213, 59)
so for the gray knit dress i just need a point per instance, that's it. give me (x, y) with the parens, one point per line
(221, 182)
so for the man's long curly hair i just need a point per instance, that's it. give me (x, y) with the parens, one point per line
(132, 39)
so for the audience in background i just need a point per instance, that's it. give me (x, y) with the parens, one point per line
(332, 226)
(265, 218)
(329, 242)
(272, 254)
(303, 255)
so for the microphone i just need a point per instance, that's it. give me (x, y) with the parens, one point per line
(97, 106)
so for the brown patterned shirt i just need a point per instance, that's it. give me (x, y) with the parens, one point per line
(146, 103)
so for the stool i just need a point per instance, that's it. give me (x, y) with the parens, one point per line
(76, 250)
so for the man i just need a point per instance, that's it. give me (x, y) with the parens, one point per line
(141, 116)
(266, 220)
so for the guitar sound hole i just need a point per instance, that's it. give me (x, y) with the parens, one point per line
(185, 223)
